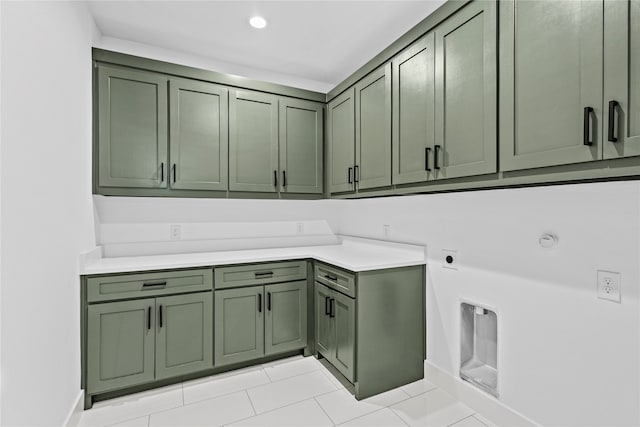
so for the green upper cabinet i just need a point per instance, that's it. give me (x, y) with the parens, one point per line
(239, 325)
(184, 326)
(341, 141)
(300, 146)
(253, 141)
(132, 128)
(373, 129)
(621, 116)
(199, 135)
(120, 344)
(285, 317)
(550, 82)
(414, 112)
(466, 93)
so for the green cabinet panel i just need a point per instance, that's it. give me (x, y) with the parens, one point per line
(373, 129)
(550, 72)
(132, 128)
(199, 135)
(621, 79)
(253, 142)
(184, 341)
(120, 344)
(301, 146)
(239, 325)
(414, 112)
(285, 317)
(324, 325)
(341, 140)
(466, 93)
(235, 276)
(344, 312)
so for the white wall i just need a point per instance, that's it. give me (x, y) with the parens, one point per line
(47, 218)
(564, 357)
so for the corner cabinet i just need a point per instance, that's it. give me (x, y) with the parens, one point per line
(132, 128)
(341, 141)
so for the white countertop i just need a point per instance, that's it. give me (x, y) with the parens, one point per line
(354, 254)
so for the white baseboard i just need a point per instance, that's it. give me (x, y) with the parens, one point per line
(73, 417)
(486, 405)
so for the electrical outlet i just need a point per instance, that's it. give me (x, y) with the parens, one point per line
(609, 285)
(299, 228)
(175, 232)
(450, 259)
(386, 231)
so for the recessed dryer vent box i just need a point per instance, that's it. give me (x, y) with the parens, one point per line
(479, 347)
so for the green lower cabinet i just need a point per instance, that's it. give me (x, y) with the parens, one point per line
(239, 325)
(285, 317)
(120, 344)
(324, 324)
(184, 337)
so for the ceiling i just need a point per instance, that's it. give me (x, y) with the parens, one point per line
(319, 41)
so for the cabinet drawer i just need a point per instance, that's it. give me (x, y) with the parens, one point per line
(337, 279)
(148, 284)
(256, 274)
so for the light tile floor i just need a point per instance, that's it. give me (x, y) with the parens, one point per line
(297, 391)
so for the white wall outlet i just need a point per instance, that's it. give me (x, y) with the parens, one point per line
(609, 285)
(175, 232)
(450, 259)
(386, 231)
(299, 228)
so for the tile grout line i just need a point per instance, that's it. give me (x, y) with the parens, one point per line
(461, 419)
(322, 409)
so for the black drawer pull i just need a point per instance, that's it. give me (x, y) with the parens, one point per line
(162, 172)
(284, 178)
(154, 285)
(327, 306)
(587, 126)
(332, 310)
(613, 109)
(436, 154)
(160, 315)
(275, 178)
(260, 274)
(149, 319)
(174, 173)
(356, 175)
(260, 303)
(330, 277)
(426, 159)
(349, 176)
(269, 301)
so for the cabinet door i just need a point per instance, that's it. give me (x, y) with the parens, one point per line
(550, 72)
(184, 341)
(341, 138)
(344, 312)
(373, 129)
(239, 325)
(301, 129)
(621, 78)
(285, 319)
(253, 142)
(132, 128)
(414, 112)
(466, 140)
(199, 135)
(120, 344)
(325, 332)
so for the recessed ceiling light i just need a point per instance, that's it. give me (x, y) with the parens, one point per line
(258, 22)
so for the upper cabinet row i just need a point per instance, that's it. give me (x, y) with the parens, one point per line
(161, 132)
(569, 92)
(430, 113)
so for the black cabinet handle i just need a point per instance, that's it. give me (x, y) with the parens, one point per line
(174, 173)
(160, 315)
(261, 274)
(275, 178)
(332, 308)
(284, 178)
(427, 150)
(149, 319)
(153, 285)
(356, 175)
(349, 176)
(436, 154)
(269, 301)
(613, 109)
(260, 303)
(330, 277)
(327, 306)
(586, 131)
(162, 172)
